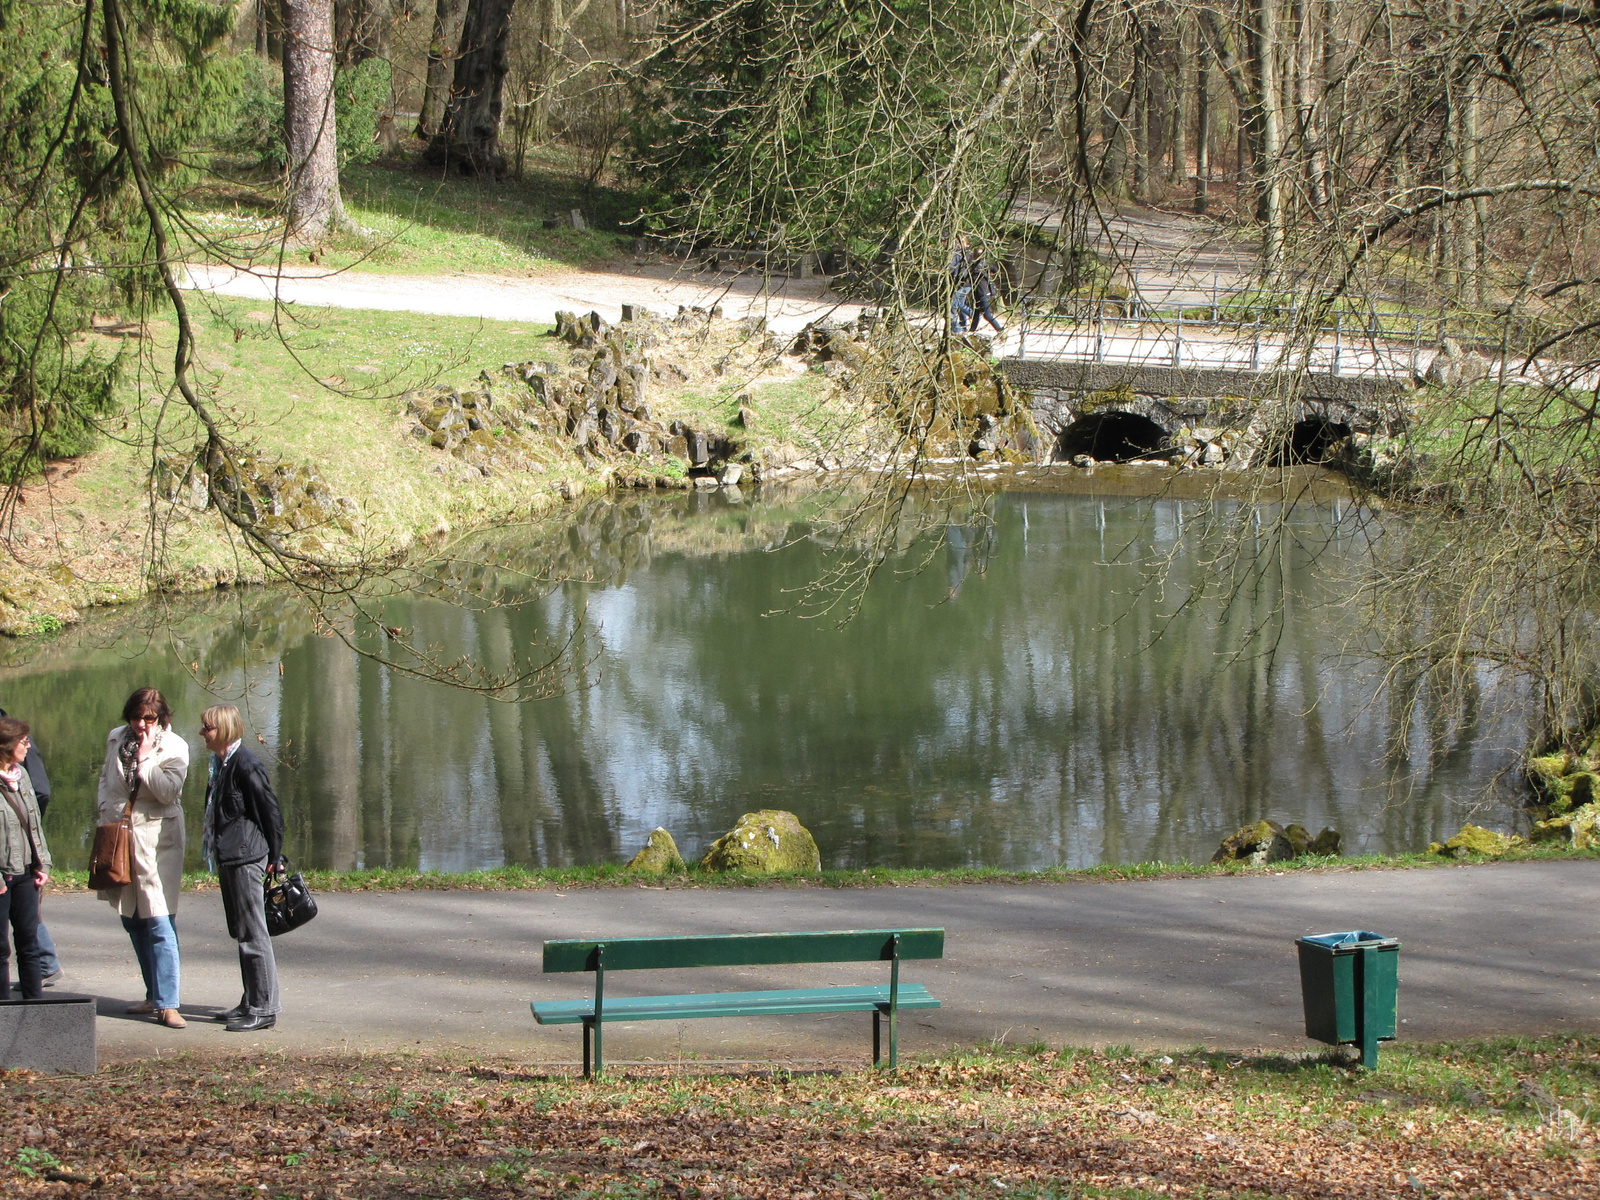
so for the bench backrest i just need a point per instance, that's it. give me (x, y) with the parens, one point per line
(742, 950)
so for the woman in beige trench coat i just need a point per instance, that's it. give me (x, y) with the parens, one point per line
(147, 762)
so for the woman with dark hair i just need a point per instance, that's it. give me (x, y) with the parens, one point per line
(244, 837)
(24, 862)
(146, 764)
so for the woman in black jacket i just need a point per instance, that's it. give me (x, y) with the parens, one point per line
(244, 838)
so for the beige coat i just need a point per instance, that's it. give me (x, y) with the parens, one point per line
(158, 834)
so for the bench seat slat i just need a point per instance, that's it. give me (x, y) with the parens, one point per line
(743, 950)
(733, 1004)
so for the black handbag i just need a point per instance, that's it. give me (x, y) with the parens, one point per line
(289, 901)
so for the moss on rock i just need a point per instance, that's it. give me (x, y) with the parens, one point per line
(1268, 842)
(1565, 782)
(1475, 840)
(1581, 826)
(1258, 844)
(763, 842)
(659, 855)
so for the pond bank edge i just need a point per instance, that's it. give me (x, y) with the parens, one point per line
(612, 875)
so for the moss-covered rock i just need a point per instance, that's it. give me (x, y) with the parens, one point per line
(1326, 844)
(1565, 781)
(1258, 844)
(659, 855)
(1581, 826)
(1268, 842)
(764, 842)
(1474, 840)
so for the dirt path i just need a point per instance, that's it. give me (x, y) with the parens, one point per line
(1171, 258)
(788, 304)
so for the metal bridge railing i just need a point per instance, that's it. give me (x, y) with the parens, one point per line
(1382, 345)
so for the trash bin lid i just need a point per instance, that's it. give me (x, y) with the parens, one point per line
(1352, 940)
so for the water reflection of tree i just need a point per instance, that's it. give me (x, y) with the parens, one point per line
(1055, 708)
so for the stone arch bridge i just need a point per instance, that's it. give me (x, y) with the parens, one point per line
(1123, 412)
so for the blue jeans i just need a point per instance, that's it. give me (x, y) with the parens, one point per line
(49, 963)
(961, 310)
(155, 944)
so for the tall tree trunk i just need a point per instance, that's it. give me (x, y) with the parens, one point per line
(269, 29)
(310, 137)
(1332, 138)
(469, 135)
(1478, 215)
(1269, 201)
(1202, 134)
(1305, 99)
(1138, 120)
(1178, 92)
(447, 18)
(1246, 99)
(362, 29)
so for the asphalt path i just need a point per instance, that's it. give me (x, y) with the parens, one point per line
(1490, 949)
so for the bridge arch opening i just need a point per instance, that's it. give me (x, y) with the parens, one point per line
(1312, 440)
(1111, 437)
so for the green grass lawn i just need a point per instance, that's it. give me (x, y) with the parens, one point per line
(417, 223)
(325, 387)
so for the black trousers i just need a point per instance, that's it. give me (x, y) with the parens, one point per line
(19, 908)
(244, 906)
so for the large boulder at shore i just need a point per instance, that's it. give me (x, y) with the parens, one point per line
(1258, 844)
(1268, 842)
(764, 842)
(660, 855)
(1581, 826)
(1475, 840)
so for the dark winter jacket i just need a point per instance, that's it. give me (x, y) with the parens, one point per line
(246, 822)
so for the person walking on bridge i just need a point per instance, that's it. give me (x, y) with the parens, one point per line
(983, 292)
(961, 284)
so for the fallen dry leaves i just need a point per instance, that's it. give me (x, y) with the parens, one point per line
(1484, 1121)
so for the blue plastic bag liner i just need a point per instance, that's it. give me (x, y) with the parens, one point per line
(1346, 941)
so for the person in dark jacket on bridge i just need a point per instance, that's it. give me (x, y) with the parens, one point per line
(244, 838)
(983, 293)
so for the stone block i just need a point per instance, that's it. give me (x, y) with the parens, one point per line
(55, 1035)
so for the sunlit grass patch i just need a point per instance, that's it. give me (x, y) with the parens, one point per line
(408, 221)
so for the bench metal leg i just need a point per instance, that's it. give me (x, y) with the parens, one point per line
(877, 1036)
(588, 1027)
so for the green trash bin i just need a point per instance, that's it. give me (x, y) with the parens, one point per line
(1348, 982)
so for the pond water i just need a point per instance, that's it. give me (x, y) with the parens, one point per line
(1024, 699)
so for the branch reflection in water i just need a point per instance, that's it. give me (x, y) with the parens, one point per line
(1022, 702)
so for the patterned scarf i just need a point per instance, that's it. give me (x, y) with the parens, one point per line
(208, 825)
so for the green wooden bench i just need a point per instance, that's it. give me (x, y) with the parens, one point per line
(740, 950)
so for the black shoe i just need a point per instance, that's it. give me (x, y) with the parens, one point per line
(233, 1014)
(248, 1024)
